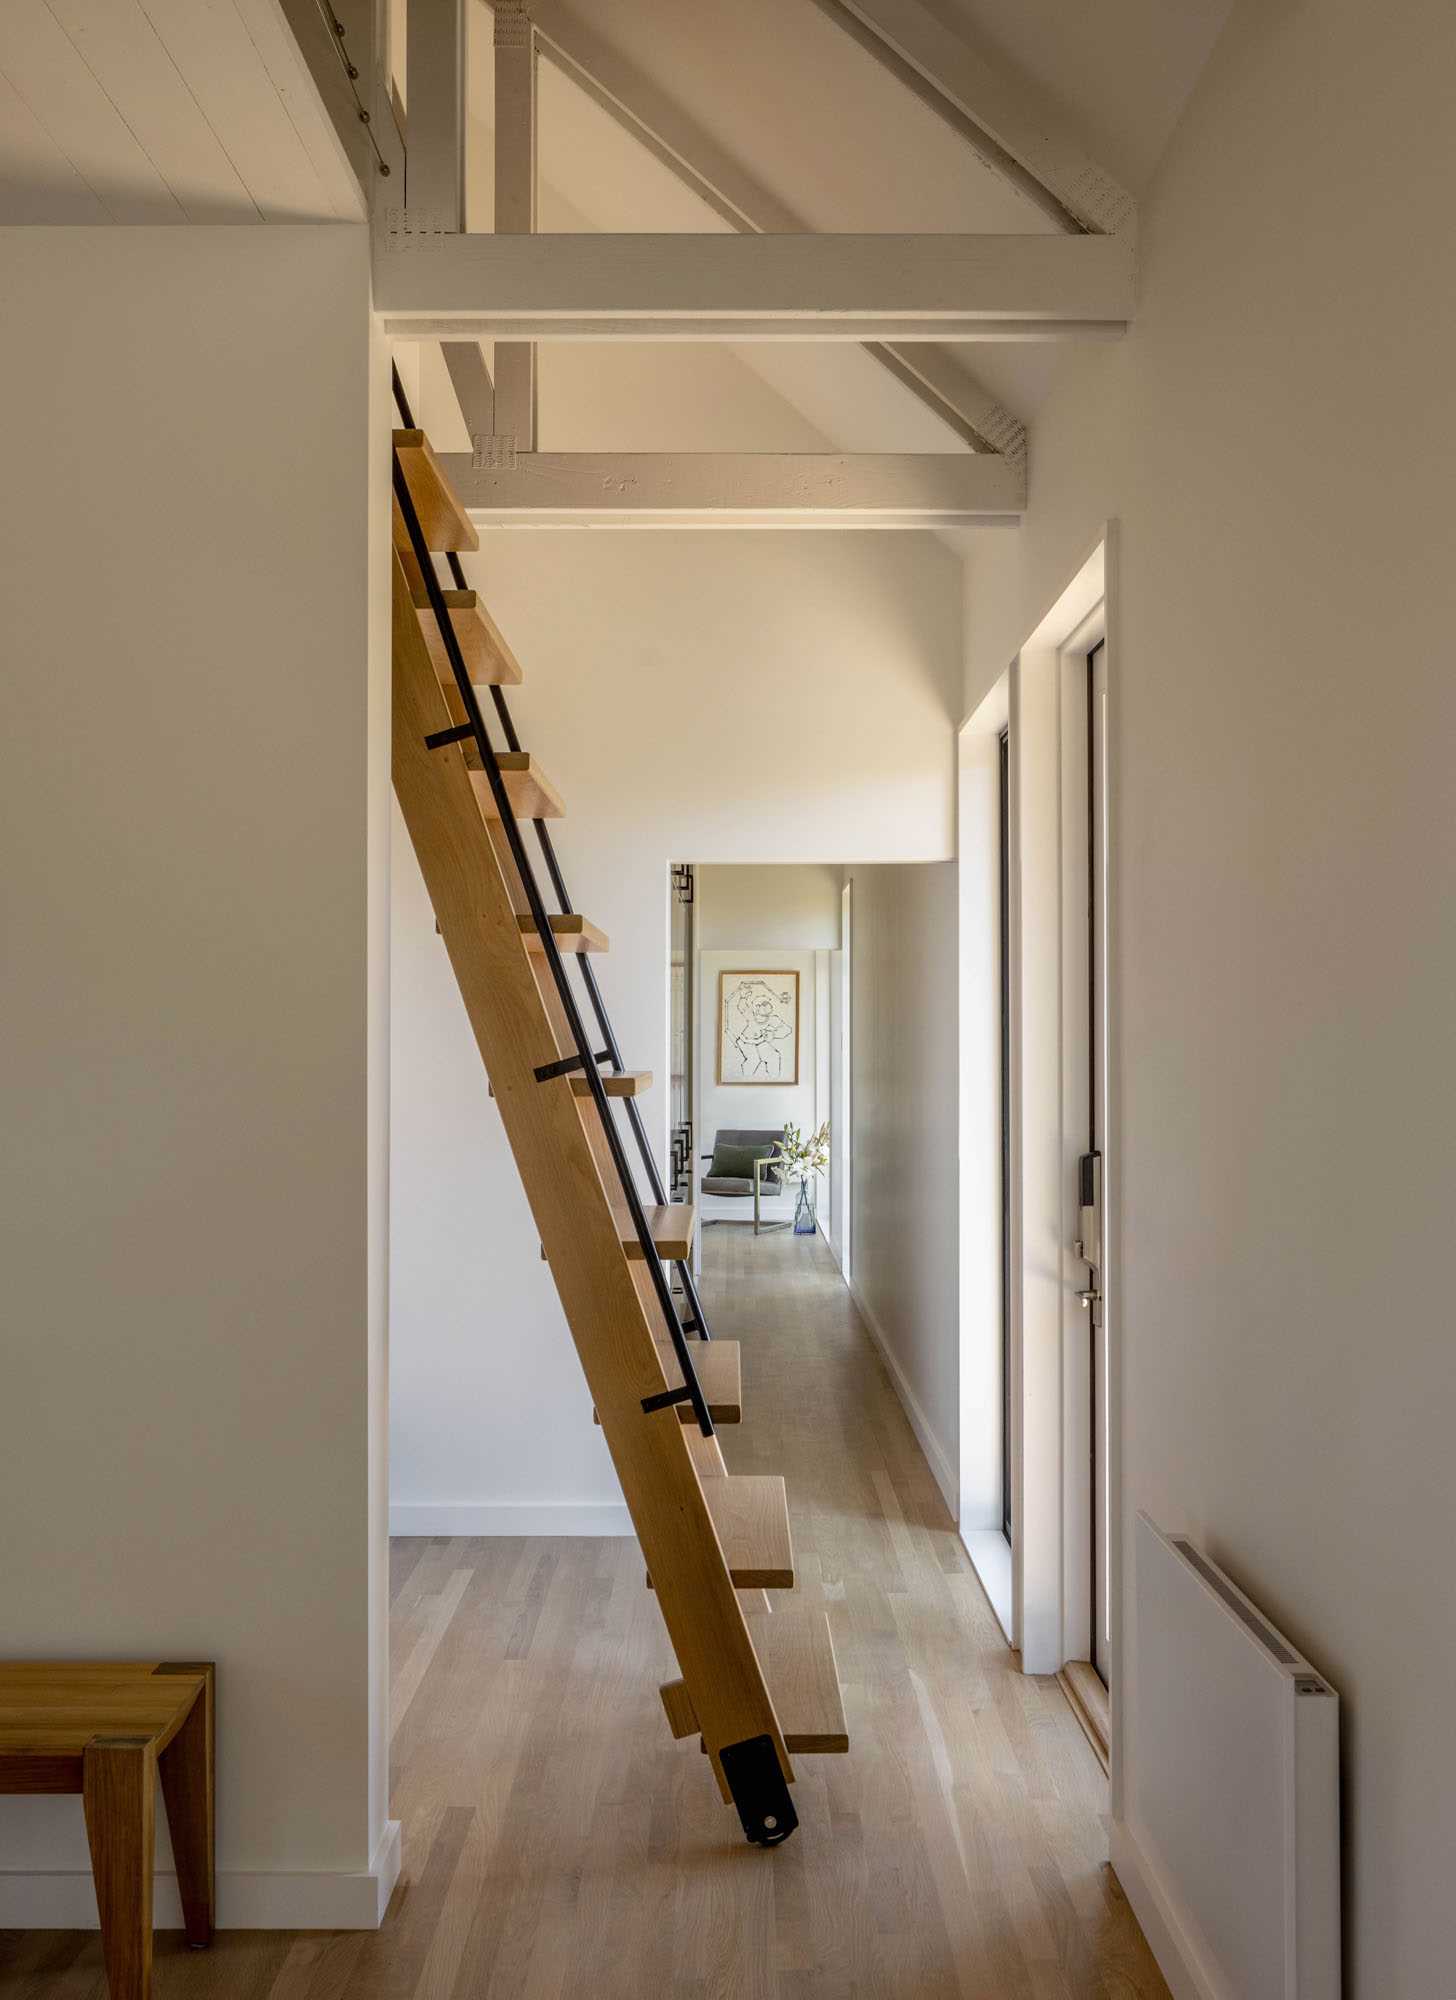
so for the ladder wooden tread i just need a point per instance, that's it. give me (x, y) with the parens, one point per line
(719, 1366)
(532, 795)
(443, 521)
(671, 1228)
(573, 933)
(796, 1652)
(577, 934)
(631, 1083)
(751, 1515)
(795, 1649)
(751, 1518)
(488, 660)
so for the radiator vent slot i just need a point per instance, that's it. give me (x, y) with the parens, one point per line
(1247, 1616)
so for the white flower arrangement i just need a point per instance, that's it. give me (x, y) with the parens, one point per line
(799, 1156)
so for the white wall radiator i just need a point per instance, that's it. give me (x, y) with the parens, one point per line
(1233, 1786)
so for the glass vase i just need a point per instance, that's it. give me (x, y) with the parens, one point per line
(804, 1211)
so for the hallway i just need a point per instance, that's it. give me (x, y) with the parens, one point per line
(558, 1845)
(573, 1849)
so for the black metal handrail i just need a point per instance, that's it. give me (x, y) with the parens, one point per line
(698, 1322)
(541, 918)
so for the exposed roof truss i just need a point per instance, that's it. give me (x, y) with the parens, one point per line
(725, 186)
(897, 296)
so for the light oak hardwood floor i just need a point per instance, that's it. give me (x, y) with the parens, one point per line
(559, 1846)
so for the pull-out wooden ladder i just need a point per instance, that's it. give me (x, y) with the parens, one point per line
(754, 1691)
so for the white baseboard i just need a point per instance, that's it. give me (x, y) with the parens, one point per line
(64, 1899)
(510, 1517)
(739, 1208)
(935, 1455)
(388, 1860)
(1155, 1907)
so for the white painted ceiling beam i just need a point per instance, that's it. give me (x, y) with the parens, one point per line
(905, 329)
(474, 390)
(1008, 123)
(724, 186)
(930, 375)
(598, 287)
(435, 165)
(515, 204)
(740, 489)
(642, 109)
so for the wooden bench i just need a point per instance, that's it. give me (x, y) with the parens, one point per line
(108, 1730)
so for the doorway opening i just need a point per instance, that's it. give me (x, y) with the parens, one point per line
(1039, 1401)
(1093, 1243)
(759, 1040)
(841, 1130)
(1004, 929)
(680, 1009)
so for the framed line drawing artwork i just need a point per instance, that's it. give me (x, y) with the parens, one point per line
(758, 1027)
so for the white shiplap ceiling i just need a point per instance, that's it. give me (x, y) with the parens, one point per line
(157, 111)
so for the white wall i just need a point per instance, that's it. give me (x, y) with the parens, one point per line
(979, 1340)
(740, 698)
(195, 769)
(755, 1106)
(769, 906)
(763, 697)
(1274, 440)
(491, 1429)
(904, 1175)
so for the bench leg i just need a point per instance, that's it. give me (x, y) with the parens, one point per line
(186, 1770)
(119, 1790)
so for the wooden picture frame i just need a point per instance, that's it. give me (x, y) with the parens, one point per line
(758, 1028)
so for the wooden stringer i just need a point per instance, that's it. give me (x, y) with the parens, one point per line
(704, 1533)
